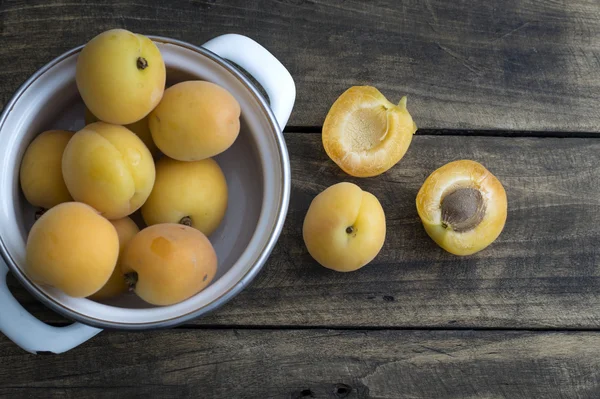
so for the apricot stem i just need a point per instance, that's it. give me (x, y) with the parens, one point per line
(142, 63)
(186, 221)
(131, 280)
(402, 103)
(349, 230)
(39, 213)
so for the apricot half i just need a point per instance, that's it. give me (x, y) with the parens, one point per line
(463, 207)
(120, 76)
(73, 248)
(140, 128)
(195, 120)
(344, 228)
(168, 263)
(41, 175)
(116, 285)
(108, 167)
(365, 134)
(191, 193)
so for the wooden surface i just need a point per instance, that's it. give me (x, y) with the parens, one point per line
(497, 64)
(296, 364)
(518, 320)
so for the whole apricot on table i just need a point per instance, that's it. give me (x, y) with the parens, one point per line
(344, 228)
(120, 76)
(40, 174)
(192, 193)
(109, 168)
(140, 128)
(72, 248)
(462, 206)
(168, 263)
(365, 134)
(116, 285)
(195, 120)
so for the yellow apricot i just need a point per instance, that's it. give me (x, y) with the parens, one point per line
(344, 228)
(41, 175)
(73, 248)
(195, 120)
(463, 207)
(168, 263)
(140, 128)
(365, 134)
(192, 193)
(120, 76)
(109, 168)
(116, 285)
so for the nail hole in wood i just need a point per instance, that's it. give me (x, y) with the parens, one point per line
(342, 390)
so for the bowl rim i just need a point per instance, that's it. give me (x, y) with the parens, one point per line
(267, 248)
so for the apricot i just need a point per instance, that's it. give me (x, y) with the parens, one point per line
(365, 134)
(344, 228)
(116, 285)
(168, 263)
(462, 206)
(195, 120)
(120, 76)
(109, 168)
(41, 175)
(140, 128)
(72, 248)
(192, 193)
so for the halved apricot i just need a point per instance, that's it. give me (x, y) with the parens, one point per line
(462, 206)
(365, 134)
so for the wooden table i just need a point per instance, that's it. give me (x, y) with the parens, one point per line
(514, 84)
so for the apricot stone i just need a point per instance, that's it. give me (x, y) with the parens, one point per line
(195, 120)
(120, 76)
(109, 168)
(168, 263)
(41, 175)
(72, 248)
(192, 193)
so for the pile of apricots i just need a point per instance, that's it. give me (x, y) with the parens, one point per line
(462, 206)
(87, 183)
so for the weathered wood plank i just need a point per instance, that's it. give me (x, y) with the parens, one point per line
(500, 64)
(541, 272)
(311, 364)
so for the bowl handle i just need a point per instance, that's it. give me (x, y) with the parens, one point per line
(263, 66)
(30, 333)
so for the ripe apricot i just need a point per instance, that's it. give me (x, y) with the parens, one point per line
(41, 175)
(116, 285)
(140, 128)
(73, 248)
(365, 134)
(120, 76)
(195, 120)
(344, 228)
(168, 263)
(108, 167)
(462, 206)
(192, 193)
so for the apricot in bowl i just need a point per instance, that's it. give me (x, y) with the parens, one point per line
(463, 207)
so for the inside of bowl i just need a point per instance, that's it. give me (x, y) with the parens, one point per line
(250, 168)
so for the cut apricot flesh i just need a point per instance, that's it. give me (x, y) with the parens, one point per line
(365, 134)
(462, 206)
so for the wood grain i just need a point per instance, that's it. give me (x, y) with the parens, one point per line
(311, 364)
(498, 64)
(542, 272)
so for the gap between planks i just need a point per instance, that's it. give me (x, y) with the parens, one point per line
(473, 133)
